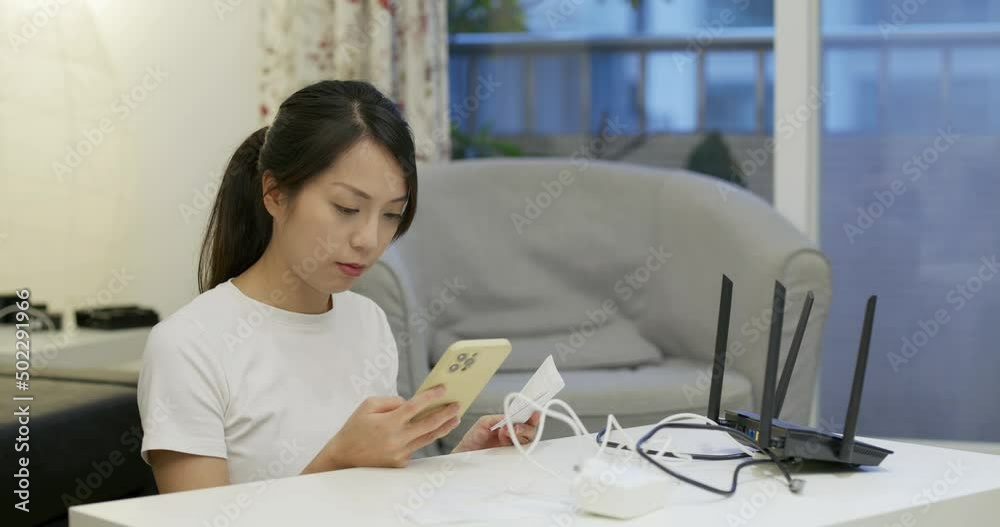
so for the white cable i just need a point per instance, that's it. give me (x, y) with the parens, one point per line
(677, 456)
(572, 420)
(613, 422)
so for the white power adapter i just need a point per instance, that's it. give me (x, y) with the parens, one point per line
(619, 488)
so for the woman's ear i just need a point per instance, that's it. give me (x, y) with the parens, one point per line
(274, 199)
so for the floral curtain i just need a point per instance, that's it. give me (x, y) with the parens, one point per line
(400, 46)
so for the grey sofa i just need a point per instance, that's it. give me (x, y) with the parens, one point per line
(613, 269)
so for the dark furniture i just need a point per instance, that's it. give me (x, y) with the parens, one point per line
(84, 441)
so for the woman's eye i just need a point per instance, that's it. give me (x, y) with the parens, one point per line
(394, 217)
(345, 210)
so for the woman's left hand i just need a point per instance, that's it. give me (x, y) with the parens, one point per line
(480, 436)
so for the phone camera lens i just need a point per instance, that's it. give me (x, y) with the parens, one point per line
(453, 367)
(462, 356)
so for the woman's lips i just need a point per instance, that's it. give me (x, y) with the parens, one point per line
(350, 269)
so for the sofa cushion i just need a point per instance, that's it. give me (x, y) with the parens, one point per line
(636, 396)
(614, 344)
(593, 251)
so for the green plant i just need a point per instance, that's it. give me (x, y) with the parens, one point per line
(485, 16)
(481, 143)
(711, 157)
(492, 16)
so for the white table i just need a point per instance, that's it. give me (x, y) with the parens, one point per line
(917, 485)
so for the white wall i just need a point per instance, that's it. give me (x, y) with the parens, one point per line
(118, 212)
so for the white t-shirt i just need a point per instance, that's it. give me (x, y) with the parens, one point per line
(231, 377)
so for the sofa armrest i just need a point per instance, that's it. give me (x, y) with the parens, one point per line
(388, 285)
(711, 227)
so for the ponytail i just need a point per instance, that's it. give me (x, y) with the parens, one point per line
(239, 227)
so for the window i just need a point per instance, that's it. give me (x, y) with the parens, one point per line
(908, 211)
(561, 43)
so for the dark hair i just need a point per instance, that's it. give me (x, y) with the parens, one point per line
(310, 131)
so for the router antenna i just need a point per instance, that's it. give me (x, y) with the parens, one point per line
(793, 353)
(853, 407)
(771, 370)
(721, 339)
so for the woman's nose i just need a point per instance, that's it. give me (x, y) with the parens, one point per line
(366, 236)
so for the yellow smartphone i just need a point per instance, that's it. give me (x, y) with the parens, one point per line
(465, 368)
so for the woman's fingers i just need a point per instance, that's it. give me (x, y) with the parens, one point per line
(382, 404)
(428, 438)
(525, 432)
(420, 401)
(431, 422)
(505, 437)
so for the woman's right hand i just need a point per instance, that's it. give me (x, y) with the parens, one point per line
(380, 432)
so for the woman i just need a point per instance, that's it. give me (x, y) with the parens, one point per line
(252, 379)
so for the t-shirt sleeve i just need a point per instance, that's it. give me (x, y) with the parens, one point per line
(387, 345)
(181, 393)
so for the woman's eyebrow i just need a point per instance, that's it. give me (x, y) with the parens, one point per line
(362, 193)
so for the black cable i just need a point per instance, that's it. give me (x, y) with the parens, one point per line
(795, 485)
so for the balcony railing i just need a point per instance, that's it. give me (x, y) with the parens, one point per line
(759, 41)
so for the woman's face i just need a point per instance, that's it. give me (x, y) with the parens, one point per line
(343, 219)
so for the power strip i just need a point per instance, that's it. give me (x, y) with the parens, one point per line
(620, 489)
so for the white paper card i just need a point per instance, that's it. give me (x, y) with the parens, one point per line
(541, 388)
